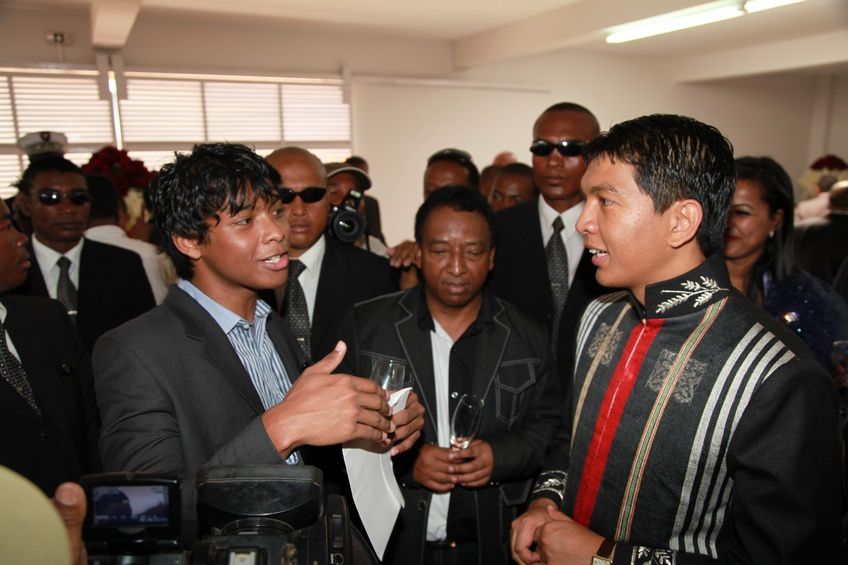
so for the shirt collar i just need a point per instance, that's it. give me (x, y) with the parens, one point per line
(225, 318)
(547, 215)
(49, 256)
(484, 316)
(704, 285)
(313, 256)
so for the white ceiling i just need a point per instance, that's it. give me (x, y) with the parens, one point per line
(813, 33)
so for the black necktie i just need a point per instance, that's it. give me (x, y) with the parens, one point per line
(14, 374)
(558, 274)
(66, 292)
(294, 308)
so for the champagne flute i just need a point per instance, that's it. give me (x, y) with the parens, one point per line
(389, 374)
(466, 420)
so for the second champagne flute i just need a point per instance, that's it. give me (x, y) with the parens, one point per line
(466, 421)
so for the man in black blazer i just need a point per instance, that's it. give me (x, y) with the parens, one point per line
(212, 376)
(109, 283)
(453, 338)
(337, 275)
(521, 268)
(52, 439)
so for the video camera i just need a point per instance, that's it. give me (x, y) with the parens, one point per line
(255, 515)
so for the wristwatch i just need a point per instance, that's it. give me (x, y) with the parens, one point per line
(605, 553)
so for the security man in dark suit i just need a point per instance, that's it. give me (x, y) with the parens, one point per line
(327, 277)
(542, 266)
(47, 410)
(101, 286)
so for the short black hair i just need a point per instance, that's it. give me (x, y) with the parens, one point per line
(196, 187)
(676, 158)
(44, 163)
(460, 199)
(460, 157)
(573, 107)
(489, 171)
(776, 186)
(105, 200)
(519, 170)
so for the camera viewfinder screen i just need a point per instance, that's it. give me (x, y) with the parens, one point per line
(130, 505)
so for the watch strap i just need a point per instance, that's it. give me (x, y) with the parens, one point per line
(606, 548)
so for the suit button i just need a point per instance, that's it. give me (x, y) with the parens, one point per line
(454, 395)
(422, 504)
(42, 435)
(67, 369)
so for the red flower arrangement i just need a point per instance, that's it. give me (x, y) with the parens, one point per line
(124, 171)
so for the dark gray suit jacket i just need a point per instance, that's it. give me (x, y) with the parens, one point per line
(174, 396)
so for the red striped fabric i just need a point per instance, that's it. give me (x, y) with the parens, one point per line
(612, 408)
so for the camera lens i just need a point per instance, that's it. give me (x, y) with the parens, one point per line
(347, 226)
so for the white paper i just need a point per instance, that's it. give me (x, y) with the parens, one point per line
(375, 490)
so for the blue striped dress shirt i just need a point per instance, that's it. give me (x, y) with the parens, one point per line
(253, 347)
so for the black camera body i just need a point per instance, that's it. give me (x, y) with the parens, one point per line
(346, 223)
(253, 515)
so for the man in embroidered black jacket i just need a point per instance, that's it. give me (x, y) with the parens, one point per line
(701, 431)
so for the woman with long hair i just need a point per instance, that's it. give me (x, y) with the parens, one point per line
(758, 252)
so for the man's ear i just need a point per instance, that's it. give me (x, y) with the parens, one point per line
(685, 217)
(23, 204)
(492, 258)
(418, 255)
(188, 247)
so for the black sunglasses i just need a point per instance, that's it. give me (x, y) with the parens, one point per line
(566, 147)
(308, 195)
(52, 197)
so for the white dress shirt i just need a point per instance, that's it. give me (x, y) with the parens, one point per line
(572, 240)
(47, 258)
(441, 344)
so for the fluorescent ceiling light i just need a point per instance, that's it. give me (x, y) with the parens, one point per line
(675, 21)
(691, 17)
(759, 5)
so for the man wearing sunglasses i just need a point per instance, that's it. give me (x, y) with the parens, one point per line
(101, 286)
(326, 277)
(332, 275)
(542, 266)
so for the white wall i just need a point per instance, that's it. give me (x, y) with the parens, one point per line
(397, 125)
(838, 132)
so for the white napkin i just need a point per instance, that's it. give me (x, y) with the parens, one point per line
(375, 490)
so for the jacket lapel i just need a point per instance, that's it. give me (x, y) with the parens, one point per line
(490, 350)
(330, 290)
(416, 346)
(215, 347)
(35, 365)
